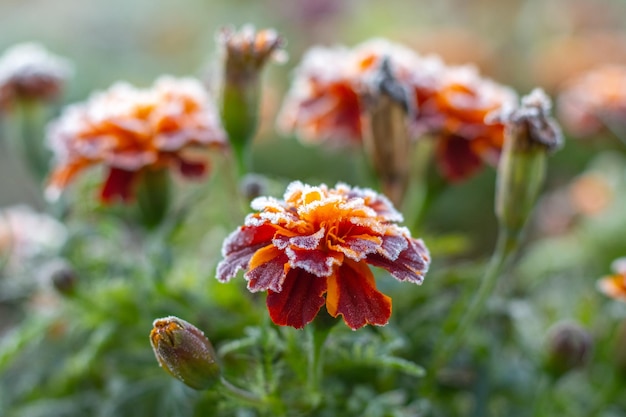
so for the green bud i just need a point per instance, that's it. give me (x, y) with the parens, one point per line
(184, 352)
(246, 53)
(529, 136)
(64, 280)
(569, 347)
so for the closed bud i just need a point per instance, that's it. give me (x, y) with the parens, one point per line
(388, 106)
(530, 135)
(184, 352)
(64, 280)
(569, 347)
(246, 52)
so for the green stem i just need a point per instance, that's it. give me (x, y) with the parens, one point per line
(317, 333)
(542, 397)
(26, 136)
(506, 246)
(240, 393)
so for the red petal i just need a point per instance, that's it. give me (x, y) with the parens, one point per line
(410, 265)
(352, 293)
(456, 159)
(239, 247)
(267, 269)
(119, 184)
(299, 301)
(192, 169)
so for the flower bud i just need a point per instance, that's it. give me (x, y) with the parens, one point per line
(530, 135)
(64, 280)
(246, 53)
(184, 352)
(388, 106)
(569, 347)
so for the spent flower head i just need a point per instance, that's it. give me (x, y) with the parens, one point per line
(315, 247)
(29, 71)
(131, 130)
(531, 134)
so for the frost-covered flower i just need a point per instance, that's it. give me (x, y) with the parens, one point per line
(26, 234)
(325, 102)
(457, 114)
(28, 70)
(614, 285)
(315, 246)
(131, 130)
(594, 101)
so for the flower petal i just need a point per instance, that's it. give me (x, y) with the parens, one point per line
(240, 246)
(456, 159)
(119, 184)
(192, 169)
(299, 301)
(268, 267)
(411, 264)
(317, 262)
(352, 293)
(358, 247)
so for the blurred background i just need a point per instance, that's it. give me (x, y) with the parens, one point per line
(521, 43)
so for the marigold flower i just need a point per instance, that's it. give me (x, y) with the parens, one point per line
(593, 101)
(614, 285)
(28, 70)
(26, 235)
(458, 112)
(314, 247)
(131, 130)
(323, 104)
(452, 103)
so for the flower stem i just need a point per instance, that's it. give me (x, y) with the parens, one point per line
(506, 246)
(317, 332)
(241, 394)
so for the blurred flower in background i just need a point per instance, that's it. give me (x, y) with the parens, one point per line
(595, 102)
(29, 71)
(26, 235)
(319, 241)
(324, 103)
(132, 131)
(462, 102)
(614, 285)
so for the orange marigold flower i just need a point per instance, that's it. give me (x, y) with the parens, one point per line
(614, 285)
(452, 103)
(457, 114)
(594, 100)
(323, 104)
(28, 70)
(130, 130)
(314, 247)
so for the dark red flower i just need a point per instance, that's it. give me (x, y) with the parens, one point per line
(315, 247)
